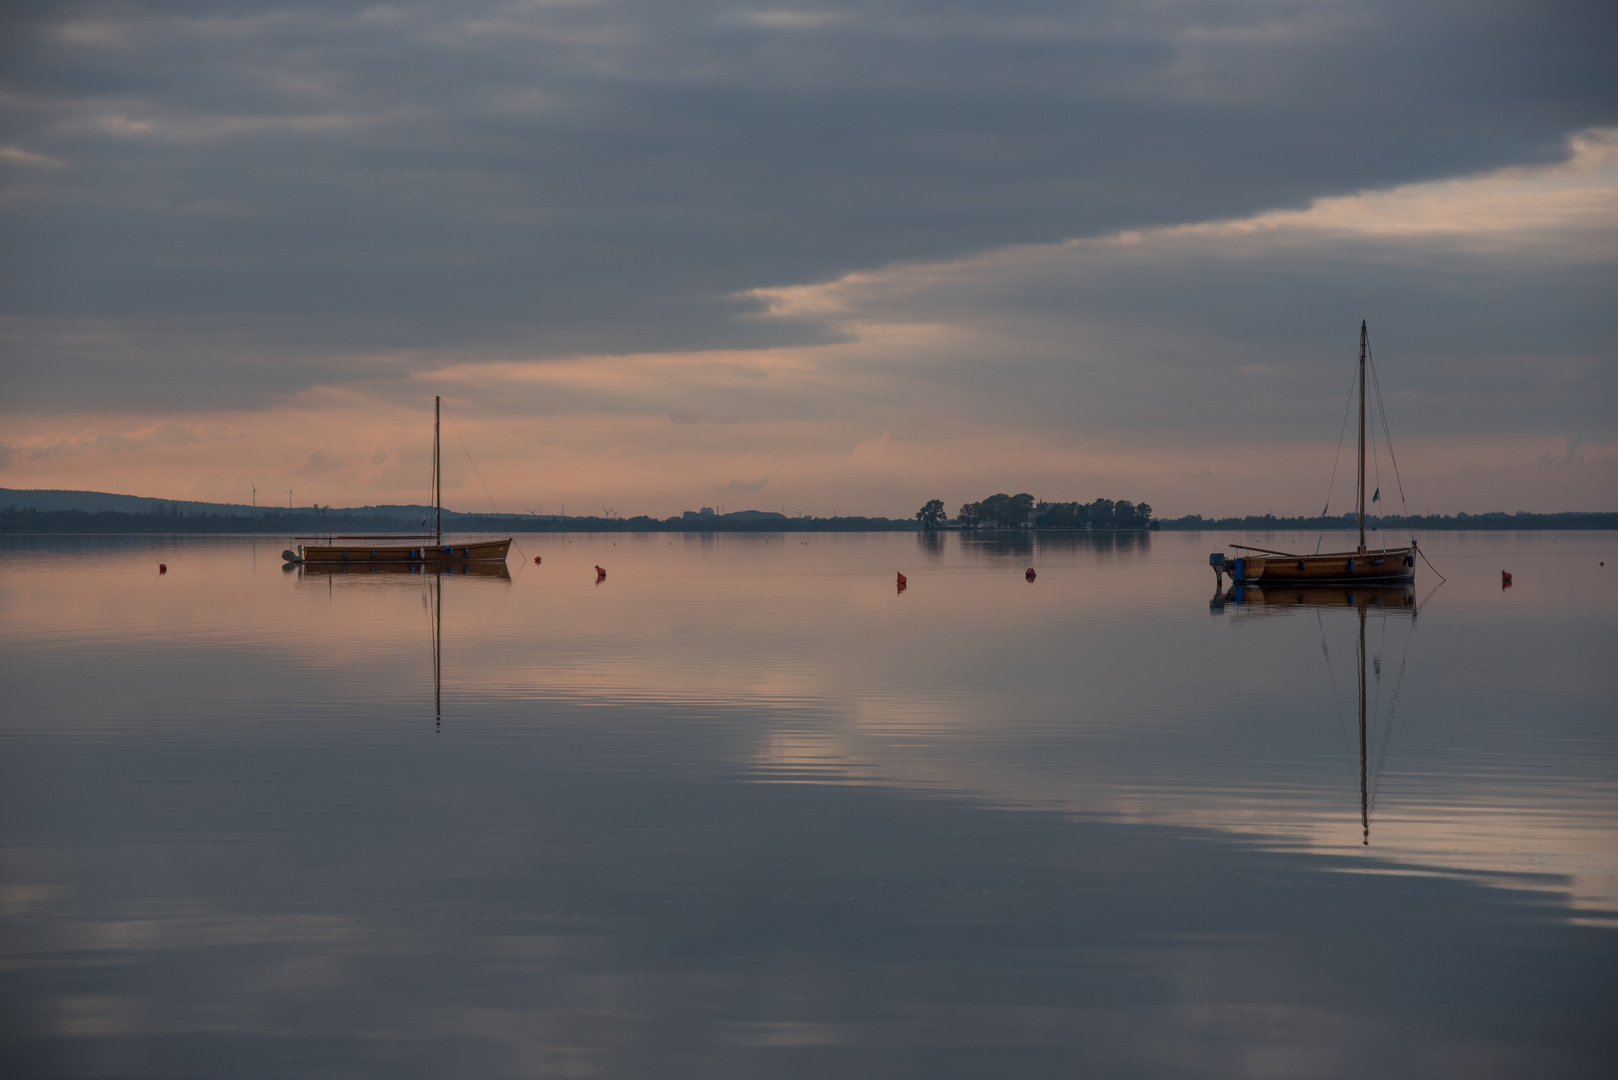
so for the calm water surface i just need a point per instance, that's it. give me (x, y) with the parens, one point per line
(743, 809)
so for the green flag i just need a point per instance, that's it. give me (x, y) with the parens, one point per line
(1377, 495)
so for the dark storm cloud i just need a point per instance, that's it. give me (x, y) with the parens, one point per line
(1224, 332)
(192, 192)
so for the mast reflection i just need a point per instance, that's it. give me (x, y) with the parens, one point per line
(1387, 600)
(433, 574)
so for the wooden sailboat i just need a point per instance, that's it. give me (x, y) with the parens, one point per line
(1371, 566)
(405, 549)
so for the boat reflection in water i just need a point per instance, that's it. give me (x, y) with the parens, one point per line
(432, 574)
(401, 569)
(1364, 597)
(1387, 601)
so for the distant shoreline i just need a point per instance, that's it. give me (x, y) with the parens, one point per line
(38, 511)
(1498, 521)
(30, 522)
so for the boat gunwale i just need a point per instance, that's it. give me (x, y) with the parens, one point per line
(332, 536)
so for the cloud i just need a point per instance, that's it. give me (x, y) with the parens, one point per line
(94, 442)
(648, 245)
(784, 20)
(345, 180)
(318, 463)
(16, 155)
(1485, 297)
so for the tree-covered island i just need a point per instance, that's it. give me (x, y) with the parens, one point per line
(1023, 511)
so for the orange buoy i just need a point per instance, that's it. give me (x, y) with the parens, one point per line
(536, 560)
(902, 580)
(162, 568)
(1030, 574)
(1505, 579)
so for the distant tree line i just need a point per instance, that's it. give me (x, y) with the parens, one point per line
(1462, 522)
(1023, 511)
(171, 519)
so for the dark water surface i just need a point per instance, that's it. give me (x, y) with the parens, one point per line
(743, 809)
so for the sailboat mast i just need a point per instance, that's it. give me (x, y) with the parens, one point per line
(438, 479)
(1363, 337)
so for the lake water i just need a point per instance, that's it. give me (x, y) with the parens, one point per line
(744, 809)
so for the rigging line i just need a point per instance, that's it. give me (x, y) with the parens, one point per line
(1387, 440)
(1341, 434)
(1393, 711)
(1388, 433)
(1376, 470)
(432, 479)
(1393, 714)
(1382, 650)
(1336, 699)
(1423, 553)
(432, 630)
(1382, 409)
(479, 475)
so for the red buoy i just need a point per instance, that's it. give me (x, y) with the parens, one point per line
(902, 580)
(600, 574)
(536, 560)
(162, 568)
(1505, 579)
(1030, 574)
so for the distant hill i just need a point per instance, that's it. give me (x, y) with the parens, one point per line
(96, 502)
(31, 511)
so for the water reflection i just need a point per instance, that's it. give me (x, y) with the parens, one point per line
(485, 569)
(1056, 543)
(1388, 597)
(431, 575)
(1385, 600)
(749, 812)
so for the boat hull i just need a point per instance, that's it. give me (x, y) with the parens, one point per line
(1346, 567)
(429, 554)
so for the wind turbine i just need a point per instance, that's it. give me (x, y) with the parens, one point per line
(289, 498)
(255, 494)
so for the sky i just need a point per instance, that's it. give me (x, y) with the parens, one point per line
(658, 256)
